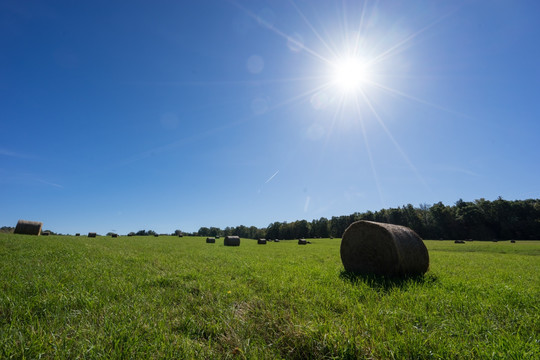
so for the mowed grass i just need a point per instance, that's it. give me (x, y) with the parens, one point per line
(170, 297)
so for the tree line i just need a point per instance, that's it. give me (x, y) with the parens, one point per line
(479, 220)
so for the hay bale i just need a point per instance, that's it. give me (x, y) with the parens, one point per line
(28, 227)
(210, 240)
(261, 241)
(369, 247)
(92, 234)
(302, 242)
(231, 241)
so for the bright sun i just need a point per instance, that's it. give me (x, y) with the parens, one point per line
(349, 74)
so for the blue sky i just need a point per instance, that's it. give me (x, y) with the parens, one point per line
(129, 115)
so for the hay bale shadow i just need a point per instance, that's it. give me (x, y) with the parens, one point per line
(387, 283)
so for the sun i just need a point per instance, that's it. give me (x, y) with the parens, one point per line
(349, 74)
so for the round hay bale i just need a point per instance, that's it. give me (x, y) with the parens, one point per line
(261, 241)
(231, 241)
(210, 240)
(28, 227)
(369, 247)
(92, 234)
(302, 242)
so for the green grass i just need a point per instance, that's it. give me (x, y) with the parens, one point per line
(169, 297)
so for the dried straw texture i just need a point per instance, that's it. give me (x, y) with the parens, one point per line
(92, 234)
(210, 240)
(369, 247)
(231, 241)
(28, 227)
(261, 241)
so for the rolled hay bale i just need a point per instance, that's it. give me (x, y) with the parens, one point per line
(261, 241)
(369, 247)
(28, 227)
(302, 242)
(210, 240)
(231, 241)
(92, 234)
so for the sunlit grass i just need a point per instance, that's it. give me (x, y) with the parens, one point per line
(169, 297)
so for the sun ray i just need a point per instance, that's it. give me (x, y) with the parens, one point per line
(421, 101)
(370, 156)
(284, 36)
(394, 141)
(393, 49)
(312, 28)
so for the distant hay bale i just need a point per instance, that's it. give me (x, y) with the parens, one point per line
(92, 234)
(28, 227)
(78, 234)
(302, 242)
(459, 242)
(369, 247)
(261, 241)
(210, 240)
(231, 241)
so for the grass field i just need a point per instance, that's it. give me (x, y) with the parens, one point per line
(170, 297)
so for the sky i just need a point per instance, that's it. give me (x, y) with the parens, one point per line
(129, 115)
